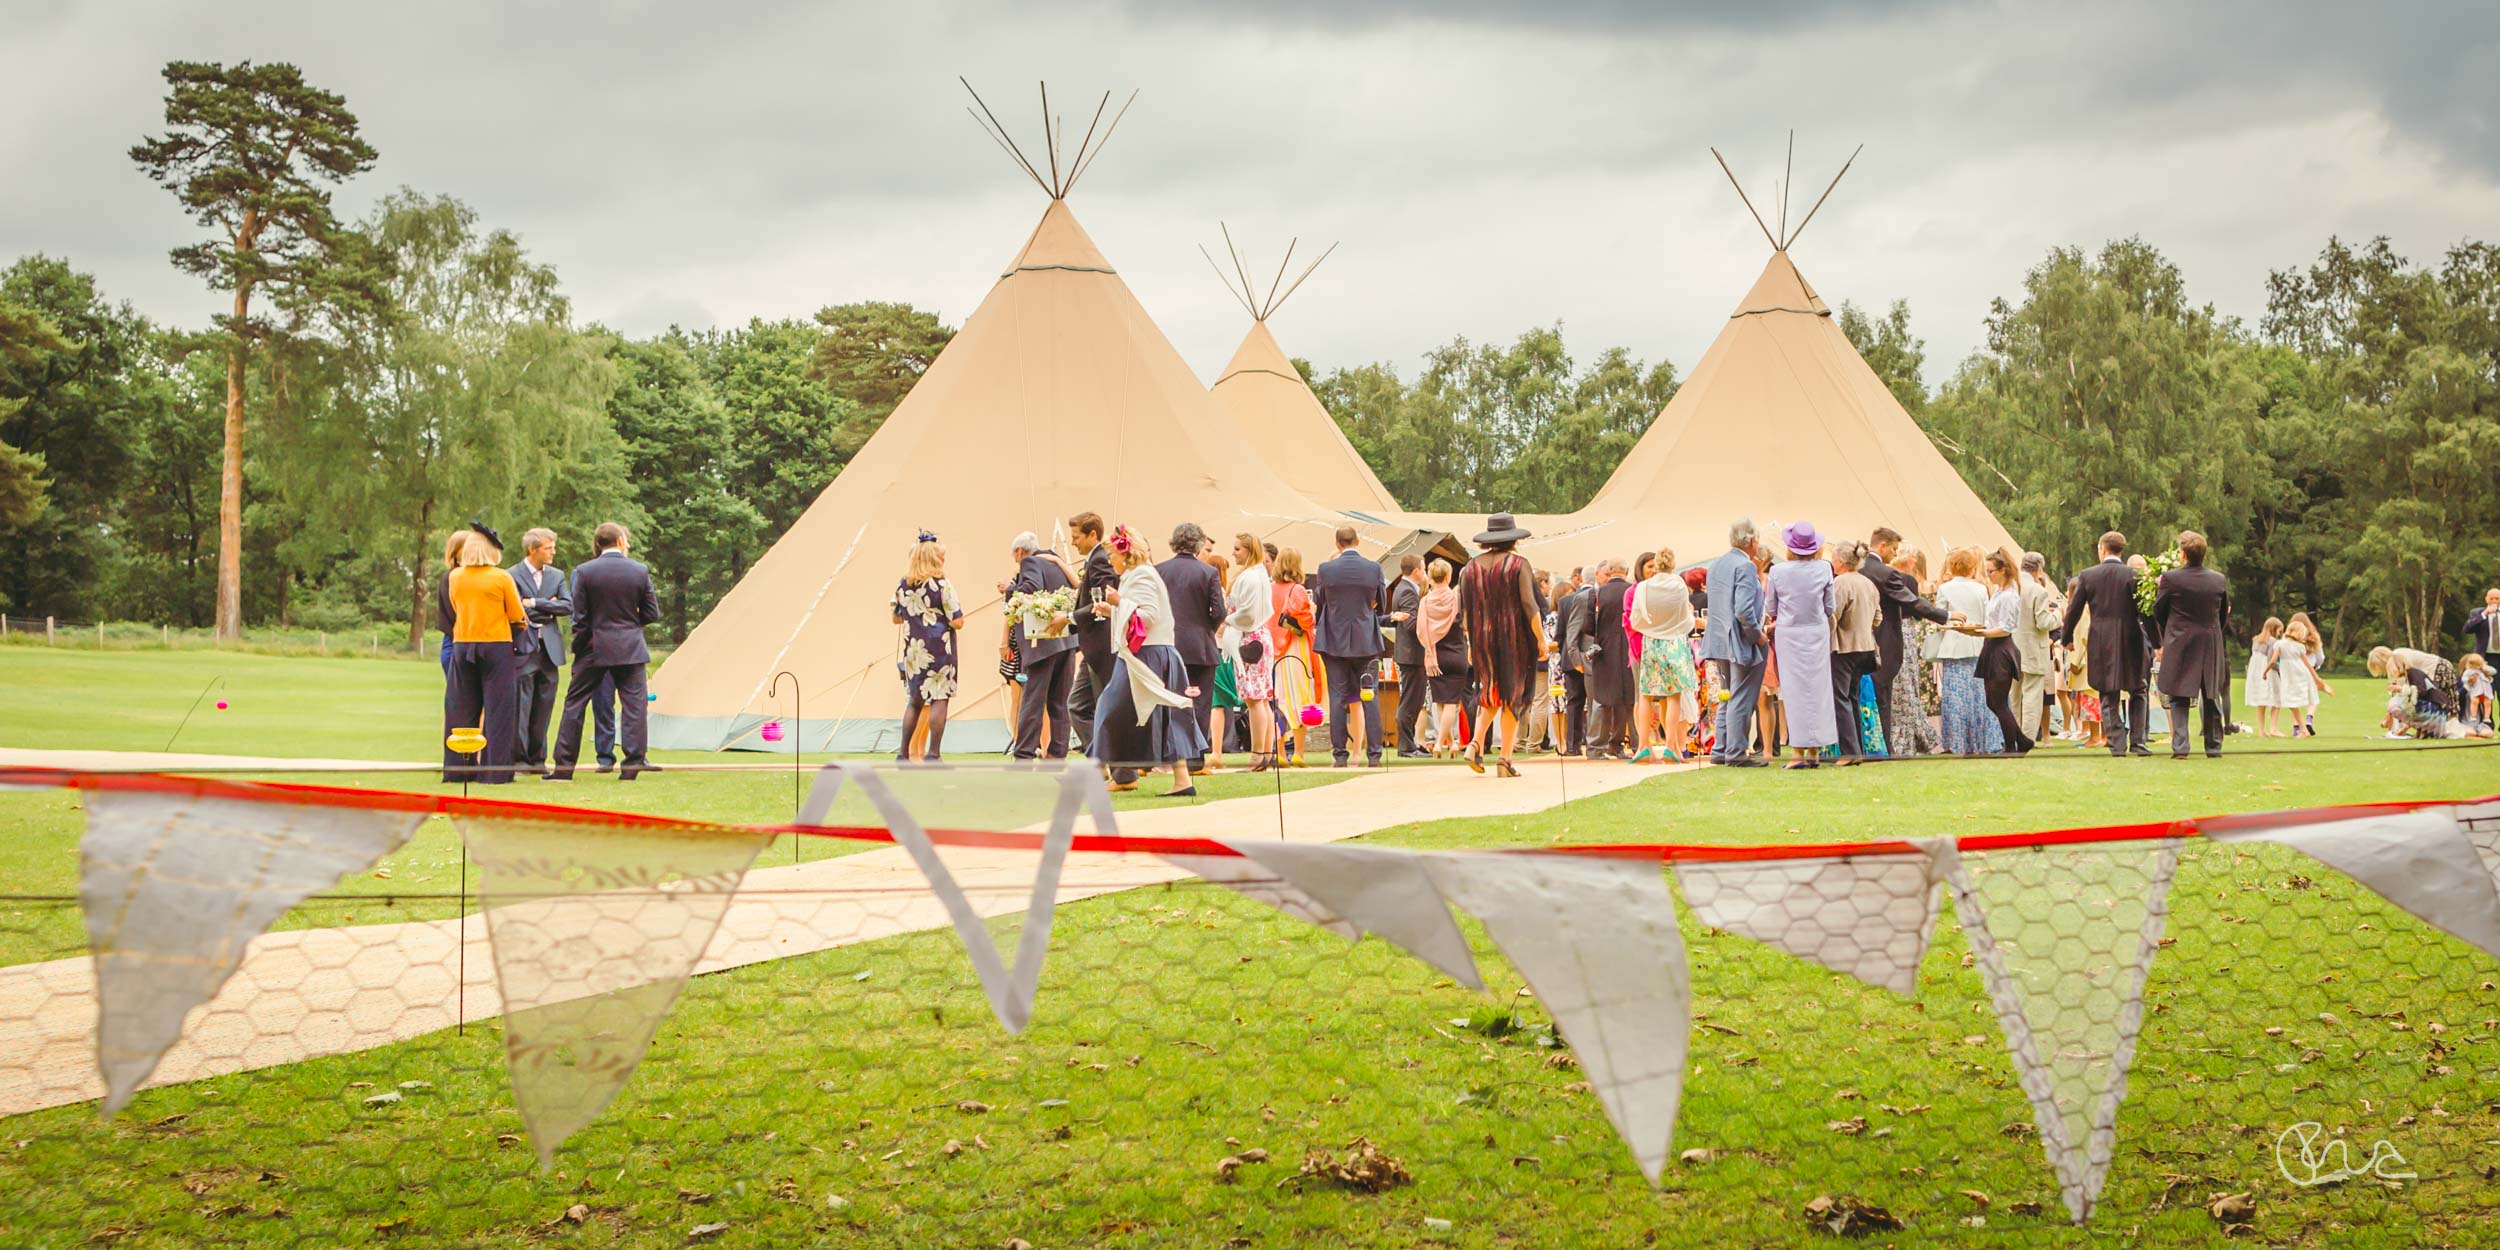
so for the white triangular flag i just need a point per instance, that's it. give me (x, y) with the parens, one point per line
(2423, 861)
(175, 886)
(1596, 939)
(594, 931)
(1377, 890)
(1866, 916)
(2481, 822)
(1250, 879)
(911, 801)
(2064, 941)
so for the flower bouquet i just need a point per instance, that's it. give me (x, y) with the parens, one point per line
(2148, 582)
(1046, 613)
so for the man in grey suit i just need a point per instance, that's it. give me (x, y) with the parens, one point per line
(2192, 611)
(547, 600)
(1735, 643)
(1574, 616)
(1406, 601)
(1348, 596)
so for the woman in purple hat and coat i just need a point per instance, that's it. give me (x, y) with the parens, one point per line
(1798, 612)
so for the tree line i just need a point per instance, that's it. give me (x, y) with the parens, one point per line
(374, 383)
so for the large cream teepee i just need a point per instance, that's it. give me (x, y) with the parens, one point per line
(1780, 421)
(1058, 396)
(1276, 411)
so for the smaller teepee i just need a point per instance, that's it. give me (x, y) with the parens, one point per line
(1275, 410)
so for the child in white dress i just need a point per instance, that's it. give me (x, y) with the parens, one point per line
(2475, 672)
(2264, 687)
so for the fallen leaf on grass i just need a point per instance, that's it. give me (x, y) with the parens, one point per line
(2231, 1209)
(1699, 1155)
(696, 1197)
(1977, 1197)
(2019, 1128)
(2025, 1207)
(576, 1213)
(1846, 1216)
(1561, 1059)
(1850, 1127)
(1254, 1155)
(701, 1231)
(385, 1098)
(969, 1107)
(1365, 1168)
(1915, 1108)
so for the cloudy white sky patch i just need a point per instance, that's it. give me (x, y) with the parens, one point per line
(1487, 168)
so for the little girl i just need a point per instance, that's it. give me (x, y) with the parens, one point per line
(2298, 652)
(2476, 674)
(2264, 688)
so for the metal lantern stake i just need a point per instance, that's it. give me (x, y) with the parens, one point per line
(470, 741)
(798, 743)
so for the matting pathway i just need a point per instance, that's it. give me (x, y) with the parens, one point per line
(306, 993)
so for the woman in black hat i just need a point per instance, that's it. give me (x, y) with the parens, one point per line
(1497, 606)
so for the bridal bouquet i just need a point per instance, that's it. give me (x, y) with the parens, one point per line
(2148, 582)
(1046, 613)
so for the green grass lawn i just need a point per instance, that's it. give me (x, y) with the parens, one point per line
(813, 1101)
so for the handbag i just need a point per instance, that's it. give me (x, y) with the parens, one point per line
(1253, 650)
(1136, 639)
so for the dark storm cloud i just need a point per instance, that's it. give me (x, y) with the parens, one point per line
(1488, 166)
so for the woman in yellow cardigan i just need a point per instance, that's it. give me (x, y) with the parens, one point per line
(485, 684)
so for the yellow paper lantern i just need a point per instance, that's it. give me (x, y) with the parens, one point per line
(468, 741)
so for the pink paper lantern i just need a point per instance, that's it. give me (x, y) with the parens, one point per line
(1312, 715)
(772, 731)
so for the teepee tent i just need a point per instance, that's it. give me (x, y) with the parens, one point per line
(1059, 395)
(1782, 420)
(1275, 411)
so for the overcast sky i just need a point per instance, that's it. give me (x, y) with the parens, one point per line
(1486, 167)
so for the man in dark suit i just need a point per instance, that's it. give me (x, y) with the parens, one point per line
(1573, 618)
(547, 600)
(612, 604)
(1406, 604)
(2192, 611)
(2114, 660)
(1197, 598)
(1348, 594)
(1897, 601)
(1049, 663)
(1095, 582)
(1609, 669)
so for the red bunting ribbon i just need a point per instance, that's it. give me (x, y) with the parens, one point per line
(304, 794)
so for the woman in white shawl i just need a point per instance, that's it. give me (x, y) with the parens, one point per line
(1147, 718)
(1662, 610)
(1248, 602)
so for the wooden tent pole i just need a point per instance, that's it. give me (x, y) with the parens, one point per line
(1740, 194)
(1827, 193)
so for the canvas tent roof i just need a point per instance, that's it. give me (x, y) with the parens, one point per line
(1268, 401)
(1058, 395)
(1782, 420)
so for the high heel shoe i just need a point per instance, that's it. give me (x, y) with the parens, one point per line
(1507, 768)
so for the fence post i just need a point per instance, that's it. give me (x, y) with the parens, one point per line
(4, 626)
(169, 637)
(99, 635)
(48, 639)
(325, 642)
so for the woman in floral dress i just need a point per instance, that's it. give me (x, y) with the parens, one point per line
(1912, 687)
(926, 606)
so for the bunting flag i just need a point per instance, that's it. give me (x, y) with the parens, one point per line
(910, 802)
(2481, 822)
(1250, 879)
(1374, 890)
(2064, 940)
(594, 932)
(174, 887)
(2427, 862)
(1596, 939)
(1866, 916)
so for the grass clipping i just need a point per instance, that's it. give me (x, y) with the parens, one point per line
(1364, 1168)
